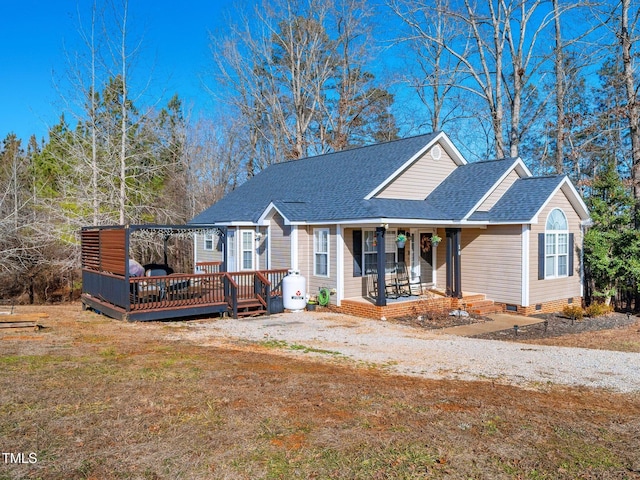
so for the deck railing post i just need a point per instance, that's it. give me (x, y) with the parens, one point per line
(234, 301)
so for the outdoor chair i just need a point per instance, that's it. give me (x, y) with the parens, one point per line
(390, 288)
(156, 290)
(402, 280)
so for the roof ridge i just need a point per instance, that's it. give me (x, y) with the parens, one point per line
(511, 159)
(360, 147)
(539, 177)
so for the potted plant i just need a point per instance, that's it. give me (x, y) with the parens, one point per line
(401, 240)
(311, 303)
(435, 240)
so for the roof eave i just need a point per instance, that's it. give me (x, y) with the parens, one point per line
(572, 195)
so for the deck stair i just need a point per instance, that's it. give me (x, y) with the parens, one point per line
(478, 304)
(250, 307)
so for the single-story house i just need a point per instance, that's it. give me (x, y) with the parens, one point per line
(506, 234)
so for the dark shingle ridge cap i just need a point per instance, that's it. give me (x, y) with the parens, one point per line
(505, 159)
(434, 134)
(541, 177)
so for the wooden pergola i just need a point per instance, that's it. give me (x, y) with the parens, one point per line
(109, 287)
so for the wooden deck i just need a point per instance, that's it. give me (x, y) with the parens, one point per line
(181, 295)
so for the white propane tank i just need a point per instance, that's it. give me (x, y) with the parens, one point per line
(294, 287)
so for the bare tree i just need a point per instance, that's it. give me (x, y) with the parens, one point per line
(560, 87)
(295, 72)
(628, 40)
(430, 28)
(498, 58)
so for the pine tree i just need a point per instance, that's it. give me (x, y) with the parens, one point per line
(611, 245)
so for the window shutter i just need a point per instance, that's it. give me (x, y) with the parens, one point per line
(571, 254)
(357, 253)
(541, 252)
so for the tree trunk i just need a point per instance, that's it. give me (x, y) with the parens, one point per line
(123, 121)
(632, 105)
(559, 74)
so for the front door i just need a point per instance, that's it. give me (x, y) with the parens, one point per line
(426, 258)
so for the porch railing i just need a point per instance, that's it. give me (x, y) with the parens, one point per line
(275, 278)
(177, 290)
(208, 267)
(185, 290)
(262, 289)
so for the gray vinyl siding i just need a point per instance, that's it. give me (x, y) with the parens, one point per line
(554, 288)
(491, 200)
(262, 252)
(491, 262)
(420, 178)
(203, 255)
(305, 259)
(280, 243)
(353, 286)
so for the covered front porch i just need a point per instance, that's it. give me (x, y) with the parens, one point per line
(111, 284)
(393, 262)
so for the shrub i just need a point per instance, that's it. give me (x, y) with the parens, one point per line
(596, 309)
(574, 312)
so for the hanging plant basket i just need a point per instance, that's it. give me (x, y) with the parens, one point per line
(401, 239)
(435, 240)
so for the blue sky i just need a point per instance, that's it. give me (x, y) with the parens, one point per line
(34, 35)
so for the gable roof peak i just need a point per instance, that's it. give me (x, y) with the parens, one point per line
(354, 149)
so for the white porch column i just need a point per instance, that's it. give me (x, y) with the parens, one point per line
(524, 282)
(195, 251)
(268, 240)
(294, 247)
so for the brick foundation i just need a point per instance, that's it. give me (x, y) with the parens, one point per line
(363, 308)
(366, 309)
(543, 307)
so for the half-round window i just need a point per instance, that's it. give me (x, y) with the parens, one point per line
(557, 220)
(556, 245)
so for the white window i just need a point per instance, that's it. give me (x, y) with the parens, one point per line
(208, 241)
(231, 250)
(556, 240)
(370, 250)
(248, 249)
(321, 252)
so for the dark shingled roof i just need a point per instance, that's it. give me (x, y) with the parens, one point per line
(466, 186)
(325, 187)
(522, 201)
(333, 187)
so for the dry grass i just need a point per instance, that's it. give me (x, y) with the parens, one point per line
(101, 399)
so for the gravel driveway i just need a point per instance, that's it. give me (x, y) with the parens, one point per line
(411, 351)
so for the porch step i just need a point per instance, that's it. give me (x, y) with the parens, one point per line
(250, 307)
(483, 307)
(480, 305)
(472, 299)
(486, 310)
(251, 313)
